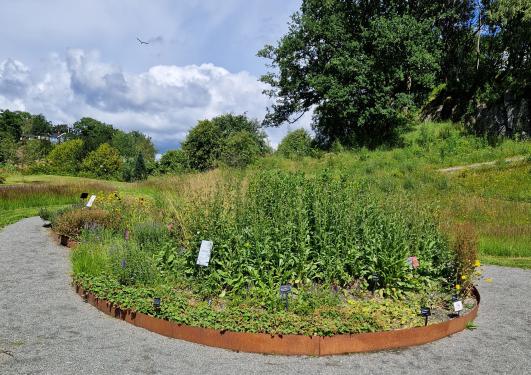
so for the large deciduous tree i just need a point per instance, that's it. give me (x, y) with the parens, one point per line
(92, 132)
(362, 66)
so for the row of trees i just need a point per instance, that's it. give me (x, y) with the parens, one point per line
(366, 67)
(89, 147)
(95, 149)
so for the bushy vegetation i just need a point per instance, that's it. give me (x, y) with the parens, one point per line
(342, 246)
(290, 228)
(89, 147)
(296, 144)
(235, 140)
(104, 162)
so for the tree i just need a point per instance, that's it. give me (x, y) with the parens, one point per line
(240, 149)
(12, 123)
(104, 162)
(203, 145)
(140, 171)
(334, 59)
(510, 22)
(33, 150)
(296, 144)
(173, 161)
(8, 148)
(65, 158)
(93, 133)
(205, 142)
(131, 144)
(40, 126)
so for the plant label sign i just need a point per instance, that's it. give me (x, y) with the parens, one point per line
(458, 306)
(91, 201)
(204, 253)
(285, 289)
(83, 196)
(425, 311)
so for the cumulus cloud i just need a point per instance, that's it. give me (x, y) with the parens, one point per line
(14, 79)
(164, 102)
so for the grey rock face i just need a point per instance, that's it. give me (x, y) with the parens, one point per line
(509, 118)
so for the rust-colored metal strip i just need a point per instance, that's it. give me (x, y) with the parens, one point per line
(288, 344)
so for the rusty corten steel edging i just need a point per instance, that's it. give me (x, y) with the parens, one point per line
(288, 344)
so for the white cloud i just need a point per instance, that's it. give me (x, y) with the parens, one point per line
(14, 78)
(164, 102)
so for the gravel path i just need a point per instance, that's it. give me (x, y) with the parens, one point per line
(45, 328)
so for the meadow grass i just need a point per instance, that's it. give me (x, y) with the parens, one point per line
(495, 199)
(24, 199)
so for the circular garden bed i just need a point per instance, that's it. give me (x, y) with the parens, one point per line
(289, 263)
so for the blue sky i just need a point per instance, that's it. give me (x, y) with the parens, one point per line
(69, 59)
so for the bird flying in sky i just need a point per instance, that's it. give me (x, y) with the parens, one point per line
(141, 42)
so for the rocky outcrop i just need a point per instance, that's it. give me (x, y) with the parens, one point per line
(509, 118)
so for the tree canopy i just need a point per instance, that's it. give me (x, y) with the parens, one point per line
(207, 141)
(365, 68)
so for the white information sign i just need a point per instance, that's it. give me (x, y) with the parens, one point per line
(458, 306)
(204, 253)
(91, 201)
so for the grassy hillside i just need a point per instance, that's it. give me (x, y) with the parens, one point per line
(495, 199)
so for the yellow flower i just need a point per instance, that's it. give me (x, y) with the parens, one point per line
(477, 263)
(457, 287)
(488, 280)
(464, 277)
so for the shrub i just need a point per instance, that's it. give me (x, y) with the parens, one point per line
(150, 236)
(34, 150)
(131, 265)
(65, 158)
(240, 149)
(2, 179)
(465, 245)
(71, 223)
(104, 162)
(173, 161)
(296, 144)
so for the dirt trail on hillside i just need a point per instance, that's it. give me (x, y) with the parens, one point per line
(458, 168)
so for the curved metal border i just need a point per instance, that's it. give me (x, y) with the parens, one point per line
(288, 344)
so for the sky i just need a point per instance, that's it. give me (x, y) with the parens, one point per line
(72, 59)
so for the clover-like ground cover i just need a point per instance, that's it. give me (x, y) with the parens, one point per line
(343, 249)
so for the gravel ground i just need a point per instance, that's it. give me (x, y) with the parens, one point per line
(45, 328)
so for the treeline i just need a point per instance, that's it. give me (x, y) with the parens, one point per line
(369, 69)
(88, 148)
